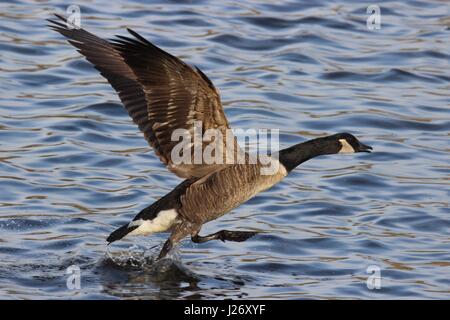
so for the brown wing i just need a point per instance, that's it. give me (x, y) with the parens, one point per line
(160, 92)
(112, 66)
(177, 96)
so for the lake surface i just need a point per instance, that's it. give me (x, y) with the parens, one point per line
(73, 166)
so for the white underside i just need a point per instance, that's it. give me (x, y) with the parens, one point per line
(162, 222)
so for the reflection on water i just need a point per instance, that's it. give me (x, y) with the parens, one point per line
(73, 166)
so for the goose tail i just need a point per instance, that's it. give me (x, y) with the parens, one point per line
(120, 233)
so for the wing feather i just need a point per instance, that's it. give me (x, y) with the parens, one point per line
(160, 92)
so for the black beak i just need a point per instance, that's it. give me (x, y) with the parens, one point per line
(364, 148)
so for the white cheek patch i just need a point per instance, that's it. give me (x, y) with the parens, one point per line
(346, 147)
(162, 222)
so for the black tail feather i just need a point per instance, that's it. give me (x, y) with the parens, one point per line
(120, 233)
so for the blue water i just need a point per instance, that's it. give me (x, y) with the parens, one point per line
(73, 166)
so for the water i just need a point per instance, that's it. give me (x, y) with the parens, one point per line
(73, 166)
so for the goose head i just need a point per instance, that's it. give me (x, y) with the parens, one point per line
(348, 143)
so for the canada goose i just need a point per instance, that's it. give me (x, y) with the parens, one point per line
(161, 93)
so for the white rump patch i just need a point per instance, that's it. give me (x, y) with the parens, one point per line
(162, 222)
(346, 147)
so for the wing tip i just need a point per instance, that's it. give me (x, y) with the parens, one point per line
(137, 35)
(61, 23)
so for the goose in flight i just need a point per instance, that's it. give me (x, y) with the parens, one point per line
(161, 94)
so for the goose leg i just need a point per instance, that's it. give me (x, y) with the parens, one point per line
(179, 232)
(168, 245)
(224, 235)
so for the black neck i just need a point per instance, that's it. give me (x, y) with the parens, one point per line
(299, 153)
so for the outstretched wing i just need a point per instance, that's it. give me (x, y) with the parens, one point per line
(160, 92)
